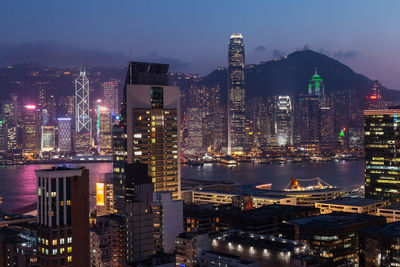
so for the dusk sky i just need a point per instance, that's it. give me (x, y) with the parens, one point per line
(193, 35)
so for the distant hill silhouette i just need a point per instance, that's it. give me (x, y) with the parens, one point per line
(290, 75)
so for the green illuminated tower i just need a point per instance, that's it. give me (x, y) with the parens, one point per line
(316, 86)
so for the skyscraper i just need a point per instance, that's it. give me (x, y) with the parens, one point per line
(110, 93)
(47, 138)
(64, 134)
(30, 131)
(63, 216)
(104, 123)
(382, 165)
(83, 122)
(374, 100)
(283, 120)
(148, 129)
(237, 94)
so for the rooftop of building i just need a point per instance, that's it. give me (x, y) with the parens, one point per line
(352, 201)
(391, 229)
(260, 241)
(63, 168)
(241, 260)
(391, 207)
(337, 220)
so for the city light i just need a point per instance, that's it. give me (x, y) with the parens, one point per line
(30, 107)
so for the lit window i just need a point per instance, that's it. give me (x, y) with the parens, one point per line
(69, 258)
(69, 249)
(138, 135)
(54, 242)
(62, 241)
(69, 240)
(62, 250)
(138, 153)
(55, 251)
(68, 202)
(53, 194)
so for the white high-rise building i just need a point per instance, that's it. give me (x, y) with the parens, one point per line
(83, 122)
(283, 120)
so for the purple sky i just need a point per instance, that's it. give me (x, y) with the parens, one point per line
(193, 35)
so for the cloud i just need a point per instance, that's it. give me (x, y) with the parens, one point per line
(61, 55)
(345, 54)
(277, 53)
(175, 64)
(260, 49)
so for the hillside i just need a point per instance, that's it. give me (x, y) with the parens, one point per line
(290, 75)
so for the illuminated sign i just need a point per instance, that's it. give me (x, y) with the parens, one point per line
(100, 194)
(30, 107)
(373, 97)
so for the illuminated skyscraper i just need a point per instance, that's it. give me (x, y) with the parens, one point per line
(236, 92)
(83, 122)
(283, 120)
(148, 129)
(64, 128)
(195, 139)
(10, 126)
(47, 138)
(316, 86)
(104, 130)
(382, 164)
(111, 99)
(374, 100)
(30, 130)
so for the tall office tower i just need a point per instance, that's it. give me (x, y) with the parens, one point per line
(283, 120)
(327, 123)
(104, 123)
(374, 100)
(41, 105)
(17, 109)
(52, 110)
(67, 106)
(316, 86)
(139, 228)
(381, 133)
(30, 131)
(83, 122)
(10, 126)
(236, 92)
(260, 121)
(63, 217)
(195, 135)
(64, 129)
(148, 129)
(47, 138)
(110, 93)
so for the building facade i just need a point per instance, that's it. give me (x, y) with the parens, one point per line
(237, 94)
(63, 217)
(381, 133)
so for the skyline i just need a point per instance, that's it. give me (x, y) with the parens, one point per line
(62, 34)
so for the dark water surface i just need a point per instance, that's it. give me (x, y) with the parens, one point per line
(18, 183)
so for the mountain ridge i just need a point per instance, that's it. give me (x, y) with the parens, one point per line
(289, 75)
